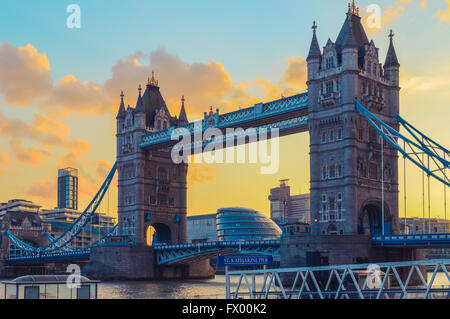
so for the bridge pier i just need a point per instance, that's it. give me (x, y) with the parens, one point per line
(139, 263)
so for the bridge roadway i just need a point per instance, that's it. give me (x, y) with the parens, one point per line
(177, 254)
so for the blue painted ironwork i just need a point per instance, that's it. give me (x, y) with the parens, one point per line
(41, 257)
(416, 240)
(64, 239)
(52, 239)
(412, 150)
(172, 254)
(257, 112)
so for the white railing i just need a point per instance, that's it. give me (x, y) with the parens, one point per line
(400, 280)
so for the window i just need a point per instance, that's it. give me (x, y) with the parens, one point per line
(324, 198)
(340, 171)
(323, 137)
(330, 88)
(331, 135)
(339, 196)
(339, 134)
(324, 172)
(332, 171)
(329, 63)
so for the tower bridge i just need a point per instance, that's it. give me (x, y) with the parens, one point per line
(351, 111)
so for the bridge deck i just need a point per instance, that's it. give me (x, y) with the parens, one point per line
(289, 115)
(415, 240)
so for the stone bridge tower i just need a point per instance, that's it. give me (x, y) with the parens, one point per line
(345, 151)
(151, 188)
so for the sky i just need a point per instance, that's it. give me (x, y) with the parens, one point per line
(60, 87)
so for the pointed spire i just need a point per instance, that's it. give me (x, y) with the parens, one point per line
(314, 50)
(182, 119)
(121, 113)
(391, 57)
(153, 81)
(353, 9)
(348, 40)
(140, 103)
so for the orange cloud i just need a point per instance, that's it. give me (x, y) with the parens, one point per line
(4, 160)
(296, 73)
(25, 74)
(444, 15)
(72, 96)
(389, 16)
(30, 155)
(43, 189)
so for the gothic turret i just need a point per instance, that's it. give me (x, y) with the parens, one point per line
(182, 119)
(391, 65)
(315, 56)
(121, 113)
(140, 103)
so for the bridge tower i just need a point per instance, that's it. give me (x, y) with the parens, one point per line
(345, 151)
(151, 188)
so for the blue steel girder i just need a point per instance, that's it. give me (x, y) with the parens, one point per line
(68, 235)
(262, 115)
(189, 252)
(412, 240)
(423, 152)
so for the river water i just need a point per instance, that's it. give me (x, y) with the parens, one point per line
(190, 289)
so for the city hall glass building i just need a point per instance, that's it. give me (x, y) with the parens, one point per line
(237, 223)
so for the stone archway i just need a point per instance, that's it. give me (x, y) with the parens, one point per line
(158, 233)
(371, 219)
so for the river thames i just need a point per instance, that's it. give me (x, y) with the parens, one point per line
(187, 289)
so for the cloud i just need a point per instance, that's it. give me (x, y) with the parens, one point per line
(42, 129)
(424, 4)
(25, 74)
(296, 73)
(4, 160)
(72, 96)
(203, 84)
(426, 83)
(30, 155)
(43, 189)
(444, 15)
(388, 17)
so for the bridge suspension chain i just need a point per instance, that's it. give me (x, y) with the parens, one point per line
(79, 225)
(436, 165)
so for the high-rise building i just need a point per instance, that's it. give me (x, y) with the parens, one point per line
(286, 208)
(68, 188)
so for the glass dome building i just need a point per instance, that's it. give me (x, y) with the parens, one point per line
(237, 223)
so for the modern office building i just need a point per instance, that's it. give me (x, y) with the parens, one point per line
(202, 228)
(286, 208)
(19, 205)
(68, 188)
(415, 225)
(237, 223)
(60, 219)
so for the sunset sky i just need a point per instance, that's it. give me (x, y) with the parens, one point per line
(60, 87)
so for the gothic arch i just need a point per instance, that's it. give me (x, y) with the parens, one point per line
(370, 219)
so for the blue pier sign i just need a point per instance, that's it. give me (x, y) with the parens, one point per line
(244, 260)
